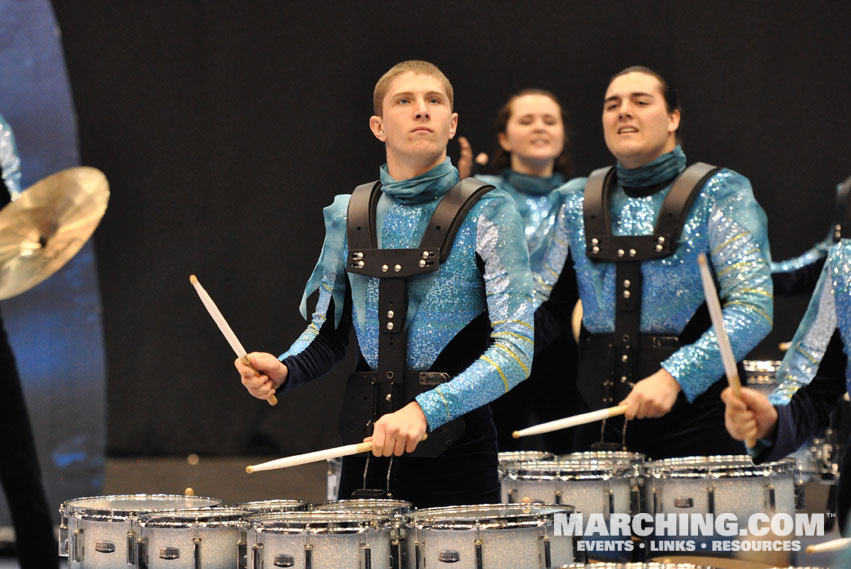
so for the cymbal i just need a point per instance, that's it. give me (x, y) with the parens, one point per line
(47, 225)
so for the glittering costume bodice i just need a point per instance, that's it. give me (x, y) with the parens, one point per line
(725, 222)
(487, 270)
(537, 203)
(829, 308)
(10, 162)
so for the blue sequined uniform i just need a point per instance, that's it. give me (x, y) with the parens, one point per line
(486, 271)
(725, 222)
(804, 398)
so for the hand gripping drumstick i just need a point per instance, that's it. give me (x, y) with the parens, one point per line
(225, 328)
(316, 456)
(568, 422)
(714, 306)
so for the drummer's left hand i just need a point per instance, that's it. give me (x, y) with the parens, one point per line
(399, 432)
(652, 397)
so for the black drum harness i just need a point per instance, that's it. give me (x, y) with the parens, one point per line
(371, 394)
(631, 355)
(842, 211)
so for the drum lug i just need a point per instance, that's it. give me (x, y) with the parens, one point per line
(256, 559)
(196, 552)
(558, 497)
(770, 498)
(634, 500)
(365, 556)
(511, 494)
(141, 550)
(800, 496)
(308, 556)
(710, 498)
(609, 502)
(578, 555)
(417, 555)
(241, 552)
(132, 554)
(544, 553)
(480, 554)
(77, 549)
(657, 500)
(63, 536)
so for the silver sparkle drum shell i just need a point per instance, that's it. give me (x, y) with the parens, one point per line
(319, 540)
(101, 531)
(490, 536)
(192, 539)
(720, 484)
(592, 487)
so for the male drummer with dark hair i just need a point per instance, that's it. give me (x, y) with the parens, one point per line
(634, 233)
(434, 276)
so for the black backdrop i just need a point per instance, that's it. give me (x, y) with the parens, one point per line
(224, 127)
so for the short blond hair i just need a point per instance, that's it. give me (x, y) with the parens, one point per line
(416, 66)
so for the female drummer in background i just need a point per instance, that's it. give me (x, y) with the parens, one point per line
(801, 405)
(533, 160)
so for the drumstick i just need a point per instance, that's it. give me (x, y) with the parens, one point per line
(316, 456)
(714, 306)
(225, 328)
(832, 545)
(568, 422)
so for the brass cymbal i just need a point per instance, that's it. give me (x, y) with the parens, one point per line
(47, 225)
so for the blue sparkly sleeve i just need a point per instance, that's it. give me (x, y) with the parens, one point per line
(508, 286)
(10, 161)
(811, 340)
(740, 256)
(328, 277)
(815, 254)
(557, 245)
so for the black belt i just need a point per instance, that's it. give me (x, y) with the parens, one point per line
(370, 394)
(609, 368)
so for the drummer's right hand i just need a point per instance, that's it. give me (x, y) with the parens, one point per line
(749, 418)
(266, 375)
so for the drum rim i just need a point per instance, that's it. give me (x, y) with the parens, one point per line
(380, 506)
(517, 456)
(578, 470)
(318, 522)
(719, 466)
(250, 505)
(235, 518)
(428, 518)
(69, 508)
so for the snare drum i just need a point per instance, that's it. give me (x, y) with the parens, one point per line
(101, 532)
(191, 539)
(715, 485)
(319, 540)
(515, 456)
(488, 536)
(385, 507)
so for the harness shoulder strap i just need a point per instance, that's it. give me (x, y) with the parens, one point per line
(842, 213)
(677, 204)
(360, 216)
(450, 214)
(594, 212)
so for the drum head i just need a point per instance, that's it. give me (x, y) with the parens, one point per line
(721, 466)
(214, 517)
(270, 506)
(524, 456)
(569, 470)
(367, 506)
(125, 505)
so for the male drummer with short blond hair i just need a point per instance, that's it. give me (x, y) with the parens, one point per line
(441, 330)
(635, 232)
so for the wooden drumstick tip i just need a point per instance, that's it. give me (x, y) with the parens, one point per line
(515, 435)
(189, 492)
(249, 470)
(193, 279)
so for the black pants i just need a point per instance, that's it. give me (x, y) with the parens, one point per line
(689, 429)
(20, 472)
(465, 474)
